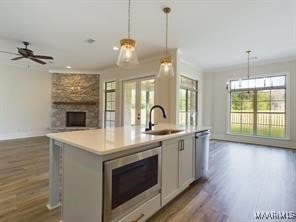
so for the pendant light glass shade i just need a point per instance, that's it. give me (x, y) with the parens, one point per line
(166, 63)
(166, 67)
(127, 55)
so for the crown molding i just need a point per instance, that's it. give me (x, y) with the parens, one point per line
(258, 63)
(69, 71)
(25, 67)
(189, 61)
(142, 60)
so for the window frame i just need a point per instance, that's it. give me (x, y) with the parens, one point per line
(187, 89)
(106, 91)
(255, 91)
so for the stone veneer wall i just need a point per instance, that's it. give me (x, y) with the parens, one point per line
(75, 89)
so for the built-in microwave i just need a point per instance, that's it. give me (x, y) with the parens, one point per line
(130, 181)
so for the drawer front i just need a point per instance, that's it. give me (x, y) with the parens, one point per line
(175, 140)
(143, 212)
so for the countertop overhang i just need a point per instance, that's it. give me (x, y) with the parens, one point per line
(111, 140)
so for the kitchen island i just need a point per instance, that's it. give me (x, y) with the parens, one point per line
(119, 174)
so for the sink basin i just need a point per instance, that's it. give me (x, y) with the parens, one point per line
(163, 132)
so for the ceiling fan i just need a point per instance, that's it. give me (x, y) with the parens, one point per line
(28, 54)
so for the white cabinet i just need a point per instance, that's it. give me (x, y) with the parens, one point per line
(170, 170)
(178, 160)
(187, 162)
(143, 212)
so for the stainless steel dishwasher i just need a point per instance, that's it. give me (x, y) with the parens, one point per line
(202, 154)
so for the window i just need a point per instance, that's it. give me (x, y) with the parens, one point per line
(258, 107)
(188, 102)
(110, 99)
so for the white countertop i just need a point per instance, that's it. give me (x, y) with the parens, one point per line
(110, 140)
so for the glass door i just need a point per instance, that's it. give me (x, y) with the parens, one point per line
(129, 103)
(138, 98)
(147, 100)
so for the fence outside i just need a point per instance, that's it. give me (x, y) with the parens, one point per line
(268, 123)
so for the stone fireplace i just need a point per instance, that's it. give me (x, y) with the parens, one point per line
(75, 101)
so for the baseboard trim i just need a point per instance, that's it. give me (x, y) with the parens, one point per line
(288, 144)
(49, 207)
(23, 135)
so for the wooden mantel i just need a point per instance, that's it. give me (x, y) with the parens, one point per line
(75, 103)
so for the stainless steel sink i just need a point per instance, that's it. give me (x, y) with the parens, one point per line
(163, 132)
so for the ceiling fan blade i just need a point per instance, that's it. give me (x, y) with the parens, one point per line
(42, 57)
(17, 58)
(37, 60)
(10, 53)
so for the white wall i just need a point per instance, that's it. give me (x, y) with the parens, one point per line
(215, 105)
(25, 102)
(166, 92)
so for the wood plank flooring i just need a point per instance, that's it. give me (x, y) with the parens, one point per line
(242, 179)
(24, 181)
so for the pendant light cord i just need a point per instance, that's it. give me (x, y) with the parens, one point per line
(248, 64)
(166, 35)
(129, 19)
(249, 70)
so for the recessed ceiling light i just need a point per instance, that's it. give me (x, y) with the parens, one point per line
(90, 40)
(115, 48)
(68, 67)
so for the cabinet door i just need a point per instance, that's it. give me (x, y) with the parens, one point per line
(187, 162)
(170, 170)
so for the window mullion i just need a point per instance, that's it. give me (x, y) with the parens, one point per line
(105, 107)
(255, 113)
(196, 108)
(241, 114)
(270, 123)
(186, 107)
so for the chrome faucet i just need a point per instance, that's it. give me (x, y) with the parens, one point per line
(150, 124)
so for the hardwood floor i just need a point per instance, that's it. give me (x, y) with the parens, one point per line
(24, 181)
(242, 179)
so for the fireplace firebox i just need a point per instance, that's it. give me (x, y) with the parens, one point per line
(75, 119)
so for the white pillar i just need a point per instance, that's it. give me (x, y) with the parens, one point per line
(54, 176)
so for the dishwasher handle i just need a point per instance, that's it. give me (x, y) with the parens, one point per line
(202, 134)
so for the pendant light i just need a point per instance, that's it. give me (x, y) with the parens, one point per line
(127, 55)
(228, 88)
(249, 51)
(166, 63)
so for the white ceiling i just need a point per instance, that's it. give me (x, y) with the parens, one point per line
(212, 33)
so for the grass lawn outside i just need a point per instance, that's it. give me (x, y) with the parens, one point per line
(265, 131)
(268, 124)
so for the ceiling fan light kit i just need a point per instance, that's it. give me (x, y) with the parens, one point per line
(127, 55)
(166, 63)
